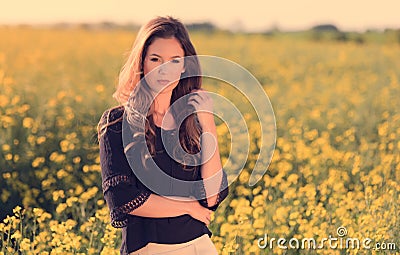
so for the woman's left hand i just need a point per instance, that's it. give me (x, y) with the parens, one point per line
(203, 104)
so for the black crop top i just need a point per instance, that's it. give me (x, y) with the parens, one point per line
(124, 192)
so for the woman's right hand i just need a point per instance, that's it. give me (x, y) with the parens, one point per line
(199, 212)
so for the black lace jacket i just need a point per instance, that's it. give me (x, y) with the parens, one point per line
(124, 192)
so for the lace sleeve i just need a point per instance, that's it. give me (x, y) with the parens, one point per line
(200, 192)
(122, 197)
(120, 186)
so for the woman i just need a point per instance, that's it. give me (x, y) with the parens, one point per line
(162, 69)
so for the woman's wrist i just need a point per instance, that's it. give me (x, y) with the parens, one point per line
(188, 206)
(208, 126)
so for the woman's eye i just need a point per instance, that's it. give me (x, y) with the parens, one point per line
(154, 59)
(176, 60)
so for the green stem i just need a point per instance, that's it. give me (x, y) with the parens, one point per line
(20, 225)
(91, 239)
(34, 230)
(2, 242)
(9, 233)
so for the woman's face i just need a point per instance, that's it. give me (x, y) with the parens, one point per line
(163, 64)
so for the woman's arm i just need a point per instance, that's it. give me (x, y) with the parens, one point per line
(163, 206)
(211, 167)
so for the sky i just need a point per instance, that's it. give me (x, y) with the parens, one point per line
(249, 15)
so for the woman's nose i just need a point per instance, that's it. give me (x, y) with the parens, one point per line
(162, 68)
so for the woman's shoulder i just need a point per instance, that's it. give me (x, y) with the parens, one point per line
(111, 119)
(113, 113)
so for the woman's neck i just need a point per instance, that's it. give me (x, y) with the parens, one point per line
(161, 103)
(161, 116)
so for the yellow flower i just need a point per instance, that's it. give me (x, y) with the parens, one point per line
(37, 212)
(76, 159)
(16, 235)
(225, 228)
(3, 101)
(44, 216)
(100, 88)
(244, 177)
(259, 223)
(5, 147)
(293, 178)
(40, 139)
(61, 207)
(25, 244)
(90, 193)
(61, 173)
(56, 157)
(17, 209)
(61, 95)
(70, 224)
(58, 194)
(37, 161)
(27, 122)
(71, 200)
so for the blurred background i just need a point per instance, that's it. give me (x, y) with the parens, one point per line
(252, 16)
(330, 69)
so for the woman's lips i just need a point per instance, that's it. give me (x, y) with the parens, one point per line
(163, 82)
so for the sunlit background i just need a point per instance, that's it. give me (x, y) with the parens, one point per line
(253, 15)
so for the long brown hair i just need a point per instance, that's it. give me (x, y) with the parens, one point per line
(132, 73)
